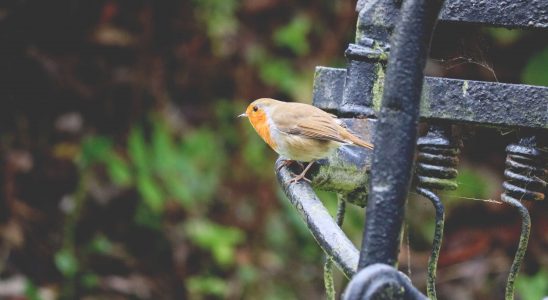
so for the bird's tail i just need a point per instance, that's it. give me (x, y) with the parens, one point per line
(359, 142)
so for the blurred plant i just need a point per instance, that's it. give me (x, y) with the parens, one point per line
(505, 36)
(535, 70)
(221, 23)
(200, 286)
(219, 240)
(281, 73)
(162, 168)
(31, 291)
(533, 287)
(294, 35)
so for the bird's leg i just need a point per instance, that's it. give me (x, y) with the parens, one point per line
(287, 163)
(301, 176)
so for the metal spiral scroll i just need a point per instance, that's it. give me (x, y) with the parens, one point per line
(436, 170)
(526, 180)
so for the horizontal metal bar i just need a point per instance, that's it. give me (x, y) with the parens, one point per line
(504, 13)
(455, 100)
(321, 224)
(487, 103)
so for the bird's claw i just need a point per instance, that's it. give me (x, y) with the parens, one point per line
(301, 176)
(297, 178)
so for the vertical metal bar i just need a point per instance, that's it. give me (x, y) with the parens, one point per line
(436, 242)
(367, 58)
(328, 266)
(396, 133)
(522, 245)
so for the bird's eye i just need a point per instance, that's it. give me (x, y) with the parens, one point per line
(255, 108)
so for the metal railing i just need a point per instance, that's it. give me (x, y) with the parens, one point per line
(382, 95)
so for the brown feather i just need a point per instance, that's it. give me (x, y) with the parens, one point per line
(309, 121)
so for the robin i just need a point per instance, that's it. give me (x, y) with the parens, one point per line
(299, 132)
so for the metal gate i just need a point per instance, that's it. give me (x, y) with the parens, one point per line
(383, 93)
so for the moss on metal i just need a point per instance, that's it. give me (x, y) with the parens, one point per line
(465, 88)
(343, 178)
(378, 87)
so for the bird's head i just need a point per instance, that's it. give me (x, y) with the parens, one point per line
(257, 111)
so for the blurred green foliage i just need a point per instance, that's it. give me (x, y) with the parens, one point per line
(206, 286)
(159, 166)
(67, 263)
(31, 291)
(533, 287)
(505, 36)
(294, 35)
(219, 240)
(535, 71)
(208, 189)
(220, 21)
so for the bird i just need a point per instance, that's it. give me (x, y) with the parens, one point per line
(299, 132)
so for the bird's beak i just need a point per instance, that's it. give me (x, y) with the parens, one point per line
(244, 115)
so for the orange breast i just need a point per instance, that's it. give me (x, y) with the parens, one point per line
(260, 123)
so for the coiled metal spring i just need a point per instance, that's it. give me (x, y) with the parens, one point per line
(525, 173)
(437, 161)
(436, 170)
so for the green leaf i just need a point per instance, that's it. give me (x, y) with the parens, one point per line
(207, 285)
(31, 291)
(100, 244)
(219, 240)
(151, 192)
(119, 170)
(164, 152)
(90, 280)
(137, 150)
(180, 190)
(294, 35)
(66, 263)
(146, 217)
(535, 70)
(95, 149)
(533, 287)
(279, 73)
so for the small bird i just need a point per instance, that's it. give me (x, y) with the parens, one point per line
(299, 132)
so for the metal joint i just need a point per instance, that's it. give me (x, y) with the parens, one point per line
(380, 281)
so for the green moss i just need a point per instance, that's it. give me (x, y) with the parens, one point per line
(465, 88)
(425, 100)
(343, 178)
(378, 87)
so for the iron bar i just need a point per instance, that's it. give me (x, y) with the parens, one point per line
(325, 230)
(396, 133)
(525, 173)
(436, 170)
(522, 245)
(328, 266)
(436, 241)
(505, 13)
(367, 57)
(454, 100)
(381, 282)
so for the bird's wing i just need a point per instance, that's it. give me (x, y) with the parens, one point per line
(312, 123)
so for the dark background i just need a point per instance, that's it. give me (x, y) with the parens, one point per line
(125, 174)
